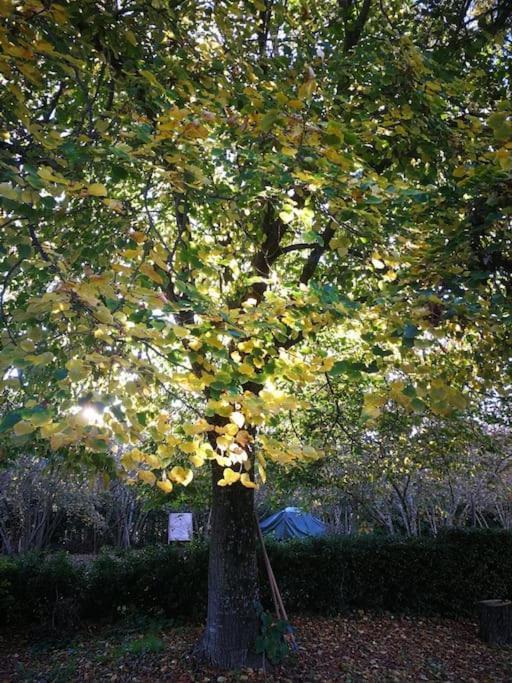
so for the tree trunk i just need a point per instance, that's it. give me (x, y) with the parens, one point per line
(496, 622)
(233, 598)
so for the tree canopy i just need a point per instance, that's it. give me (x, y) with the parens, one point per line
(197, 194)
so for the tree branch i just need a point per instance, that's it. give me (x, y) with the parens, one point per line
(313, 259)
(354, 32)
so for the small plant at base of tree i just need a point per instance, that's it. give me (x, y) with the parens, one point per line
(273, 640)
(149, 643)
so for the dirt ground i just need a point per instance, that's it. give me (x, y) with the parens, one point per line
(363, 647)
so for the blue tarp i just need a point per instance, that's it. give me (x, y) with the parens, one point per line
(292, 523)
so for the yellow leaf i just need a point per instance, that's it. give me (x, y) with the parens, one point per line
(189, 429)
(153, 461)
(335, 157)
(341, 244)
(504, 157)
(77, 369)
(262, 472)
(246, 369)
(230, 476)
(104, 316)
(197, 460)
(58, 440)
(41, 359)
(97, 190)
(151, 273)
(126, 461)
(246, 346)
(138, 236)
(372, 405)
(224, 441)
(165, 485)
(286, 216)
(246, 481)
(198, 427)
(327, 363)
(238, 419)
(460, 172)
(136, 455)
(289, 151)
(181, 475)
(243, 438)
(150, 77)
(179, 331)
(231, 429)
(8, 191)
(219, 407)
(50, 428)
(162, 423)
(46, 173)
(147, 477)
(40, 419)
(131, 38)
(131, 387)
(188, 447)
(311, 453)
(101, 125)
(23, 427)
(28, 345)
(306, 89)
(59, 13)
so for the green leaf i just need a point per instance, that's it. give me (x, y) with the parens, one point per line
(410, 331)
(268, 121)
(10, 420)
(60, 373)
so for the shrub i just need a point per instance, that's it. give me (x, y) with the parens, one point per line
(446, 575)
(46, 590)
(160, 579)
(8, 570)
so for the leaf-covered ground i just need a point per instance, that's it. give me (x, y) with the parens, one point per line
(358, 648)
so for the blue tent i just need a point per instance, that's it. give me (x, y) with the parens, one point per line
(292, 523)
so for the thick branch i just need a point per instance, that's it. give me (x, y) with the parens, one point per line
(313, 259)
(354, 32)
(274, 230)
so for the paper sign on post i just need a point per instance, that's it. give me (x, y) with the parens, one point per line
(180, 526)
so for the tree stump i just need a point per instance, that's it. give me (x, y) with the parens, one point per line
(496, 622)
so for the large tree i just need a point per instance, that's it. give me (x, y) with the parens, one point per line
(196, 194)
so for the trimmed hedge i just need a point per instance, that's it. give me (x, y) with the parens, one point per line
(446, 575)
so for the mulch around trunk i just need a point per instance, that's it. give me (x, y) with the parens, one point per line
(363, 647)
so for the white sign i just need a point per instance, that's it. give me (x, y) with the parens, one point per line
(180, 526)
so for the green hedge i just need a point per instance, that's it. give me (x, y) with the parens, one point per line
(444, 575)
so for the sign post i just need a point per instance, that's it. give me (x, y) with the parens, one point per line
(180, 526)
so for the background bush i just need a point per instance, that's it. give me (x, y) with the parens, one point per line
(445, 575)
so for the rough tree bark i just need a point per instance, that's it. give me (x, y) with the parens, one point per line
(233, 597)
(496, 622)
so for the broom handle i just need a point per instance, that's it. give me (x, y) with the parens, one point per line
(267, 566)
(278, 601)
